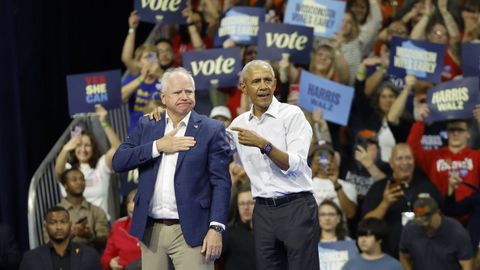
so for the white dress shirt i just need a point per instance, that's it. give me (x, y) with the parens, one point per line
(286, 128)
(163, 203)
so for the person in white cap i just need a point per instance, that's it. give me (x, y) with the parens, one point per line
(222, 114)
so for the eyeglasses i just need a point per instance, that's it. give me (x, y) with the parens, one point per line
(331, 215)
(439, 33)
(459, 130)
(244, 204)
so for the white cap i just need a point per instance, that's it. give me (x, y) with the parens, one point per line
(221, 111)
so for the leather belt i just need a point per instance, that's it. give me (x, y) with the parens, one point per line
(277, 201)
(168, 222)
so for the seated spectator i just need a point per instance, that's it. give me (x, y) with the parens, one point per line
(327, 185)
(391, 199)
(82, 152)
(90, 225)
(122, 248)
(222, 114)
(372, 234)
(335, 247)
(367, 167)
(60, 252)
(456, 158)
(238, 250)
(9, 254)
(468, 206)
(434, 241)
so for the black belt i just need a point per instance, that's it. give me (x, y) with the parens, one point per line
(168, 222)
(277, 201)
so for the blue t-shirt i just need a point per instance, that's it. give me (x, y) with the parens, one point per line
(385, 263)
(333, 255)
(140, 97)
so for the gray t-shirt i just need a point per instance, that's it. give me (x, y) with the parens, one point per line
(443, 250)
(385, 263)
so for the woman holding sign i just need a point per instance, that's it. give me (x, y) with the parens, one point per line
(384, 113)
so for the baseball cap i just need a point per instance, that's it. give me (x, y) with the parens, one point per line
(221, 111)
(424, 208)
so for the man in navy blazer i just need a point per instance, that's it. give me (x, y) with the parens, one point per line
(184, 184)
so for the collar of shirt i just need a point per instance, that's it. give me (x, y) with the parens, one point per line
(67, 250)
(273, 110)
(68, 205)
(184, 120)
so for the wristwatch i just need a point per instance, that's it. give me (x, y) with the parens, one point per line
(267, 149)
(217, 228)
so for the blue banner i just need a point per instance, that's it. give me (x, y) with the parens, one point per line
(214, 68)
(471, 59)
(161, 11)
(86, 90)
(275, 39)
(334, 99)
(452, 100)
(424, 59)
(334, 255)
(325, 16)
(240, 24)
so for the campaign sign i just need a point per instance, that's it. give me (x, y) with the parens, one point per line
(334, 255)
(275, 39)
(334, 99)
(325, 16)
(86, 90)
(240, 24)
(424, 59)
(214, 68)
(471, 59)
(452, 100)
(161, 11)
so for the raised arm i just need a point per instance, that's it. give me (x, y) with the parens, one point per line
(418, 32)
(112, 136)
(398, 106)
(62, 157)
(129, 43)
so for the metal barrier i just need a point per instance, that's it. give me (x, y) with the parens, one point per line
(44, 191)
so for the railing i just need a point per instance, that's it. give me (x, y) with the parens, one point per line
(44, 191)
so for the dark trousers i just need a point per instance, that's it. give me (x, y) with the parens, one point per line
(287, 236)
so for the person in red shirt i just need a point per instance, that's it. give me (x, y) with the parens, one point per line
(456, 160)
(122, 248)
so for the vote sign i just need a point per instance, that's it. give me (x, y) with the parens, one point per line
(161, 11)
(86, 90)
(214, 68)
(240, 24)
(274, 39)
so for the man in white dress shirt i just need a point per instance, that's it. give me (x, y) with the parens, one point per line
(272, 143)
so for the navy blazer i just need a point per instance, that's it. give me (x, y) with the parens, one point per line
(81, 258)
(202, 181)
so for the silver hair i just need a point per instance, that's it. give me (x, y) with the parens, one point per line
(253, 63)
(166, 76)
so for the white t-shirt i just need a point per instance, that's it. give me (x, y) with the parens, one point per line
(97, 183)
(323, 189)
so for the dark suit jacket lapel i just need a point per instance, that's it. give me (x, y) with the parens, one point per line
(192, 129)
(158, 132)
(46, 258)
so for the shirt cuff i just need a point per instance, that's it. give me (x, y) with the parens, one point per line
(293, 163)
(155, 152)
(217, 223)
